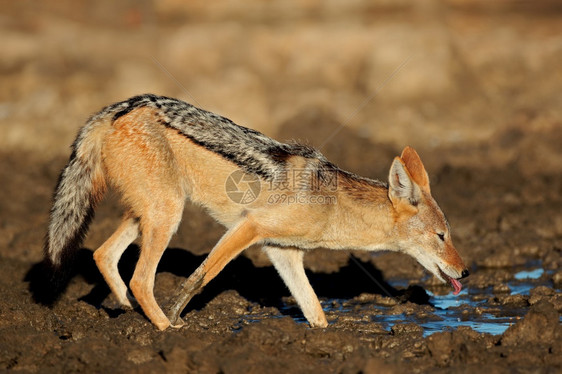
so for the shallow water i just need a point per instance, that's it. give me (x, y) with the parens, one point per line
(533, 274)
(471, 307)
(450, 308)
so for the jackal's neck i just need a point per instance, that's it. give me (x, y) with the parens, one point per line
(362, 190)
(363, 215)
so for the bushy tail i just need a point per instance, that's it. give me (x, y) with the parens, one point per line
(81, 185)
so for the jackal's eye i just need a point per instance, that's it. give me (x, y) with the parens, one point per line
(441, 236)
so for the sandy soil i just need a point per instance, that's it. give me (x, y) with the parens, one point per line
(477, 95)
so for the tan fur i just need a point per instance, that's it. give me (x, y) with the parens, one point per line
(155, 167)
(415, 167)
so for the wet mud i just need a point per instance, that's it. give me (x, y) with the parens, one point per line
(483, 110)
(385, 312)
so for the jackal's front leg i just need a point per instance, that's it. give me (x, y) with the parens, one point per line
(231, 245)
(289, 265)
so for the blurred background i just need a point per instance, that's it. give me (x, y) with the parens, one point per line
(469, 84)
(433, 74)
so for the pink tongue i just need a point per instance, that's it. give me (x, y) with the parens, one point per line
(456, 285)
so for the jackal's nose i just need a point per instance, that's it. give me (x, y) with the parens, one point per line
(464, 273)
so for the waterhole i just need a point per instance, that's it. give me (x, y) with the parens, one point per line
(484, 309)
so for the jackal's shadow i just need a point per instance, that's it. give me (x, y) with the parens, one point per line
(257, 284)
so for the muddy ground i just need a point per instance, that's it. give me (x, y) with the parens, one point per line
(478, 96)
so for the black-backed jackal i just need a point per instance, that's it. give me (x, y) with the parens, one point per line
(157, 151)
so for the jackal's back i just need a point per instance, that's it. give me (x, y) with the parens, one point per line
(249, 149)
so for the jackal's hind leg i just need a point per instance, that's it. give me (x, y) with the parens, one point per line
(108, 254)
(289, 265)
(235, 240)
(157, 227)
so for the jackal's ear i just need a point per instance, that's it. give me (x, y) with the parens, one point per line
(415, 167)
(401, 186)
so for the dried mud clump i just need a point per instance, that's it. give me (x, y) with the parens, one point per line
(540, 327)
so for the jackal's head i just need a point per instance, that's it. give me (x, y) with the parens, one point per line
(421, 227)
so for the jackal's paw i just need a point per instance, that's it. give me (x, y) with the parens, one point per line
(178, 324)
(162, 325)
(131, 302)
(319, 323)
(124, 303)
